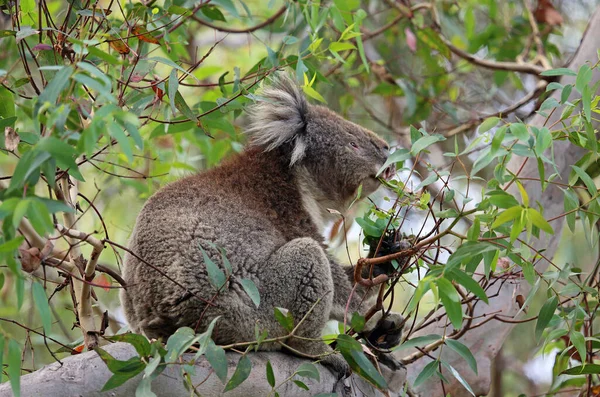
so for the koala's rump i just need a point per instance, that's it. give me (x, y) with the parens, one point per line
(168, 279)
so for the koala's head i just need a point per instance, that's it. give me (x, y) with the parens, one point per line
(338, 155)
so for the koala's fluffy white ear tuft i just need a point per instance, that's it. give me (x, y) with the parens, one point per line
(279, 117)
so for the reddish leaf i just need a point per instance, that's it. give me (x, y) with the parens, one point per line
(411, 39)
(77, 349)
(142, 33)
(520, 301)
(103, 281)
(159, 93)
(119, 45)
(546, 13)
(136, 78)
(42, 47)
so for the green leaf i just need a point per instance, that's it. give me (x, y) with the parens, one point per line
(488, 124)
(41, 303)
(396, 157)
(183, 107)
(217, 359)
(586, 103)
(464, 352)
(587, 369)
(14, 366)
(458, 377)
(451, 301)
(285, 318)
(474, 230)
(270, 374)
(139, 342)
(545, 315)
(179, 342)
(251, 290)
(584, 76)
(422, 288)
(501, 199)
(589, 182)
(528, 272)
(424, 142)
(566, 92)
(300, 384)
(39, 217)
(520, 131)
(117, 132)
(543, 140)
(28, 165)
(64, 154)
(216, 276)
(558, 72)
(173, 87)
(118, 366)
(111, 59)
(7, 103)
(523, 193)
(11, 245)
(466, 252)
(289, 40)
(571, 203)
(20, 211)
(121, 377)
(358, 322)
(311, 92)
(309, 370)
(338, 46)
(213, 13)
(578, 340)
(170, 63)
(538, 220)
(242, 371)
(418, 341)
(507, 216)
(352, 352)
(54, 88)
(426, 373)
(468, 282)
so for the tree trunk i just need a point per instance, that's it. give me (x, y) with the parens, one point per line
(86, 374)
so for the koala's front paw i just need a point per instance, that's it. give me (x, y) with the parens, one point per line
(389, 361)
(389, 245)
(384, 332)
(337, 364)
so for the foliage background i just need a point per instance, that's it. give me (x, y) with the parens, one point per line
(376, 62)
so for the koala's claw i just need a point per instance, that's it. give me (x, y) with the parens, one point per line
(338, 365)
(389, 361)
(384, 332)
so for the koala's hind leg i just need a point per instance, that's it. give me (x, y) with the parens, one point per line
(298, 278)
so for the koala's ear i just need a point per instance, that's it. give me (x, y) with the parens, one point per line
(280, 117)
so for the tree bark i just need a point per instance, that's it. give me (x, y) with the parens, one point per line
(486, 341)
(86, 374)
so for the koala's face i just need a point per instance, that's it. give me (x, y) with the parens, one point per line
(342, 155)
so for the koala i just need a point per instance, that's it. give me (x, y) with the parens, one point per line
(266, 208)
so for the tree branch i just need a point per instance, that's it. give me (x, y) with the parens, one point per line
(241, 30)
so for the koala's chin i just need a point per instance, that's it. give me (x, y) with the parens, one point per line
(257, 217)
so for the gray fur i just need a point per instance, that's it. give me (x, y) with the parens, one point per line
(266, 208)
(279, 117)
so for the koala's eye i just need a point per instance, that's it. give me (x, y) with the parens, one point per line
(354, 145)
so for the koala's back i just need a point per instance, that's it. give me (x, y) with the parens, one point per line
(238, 207)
